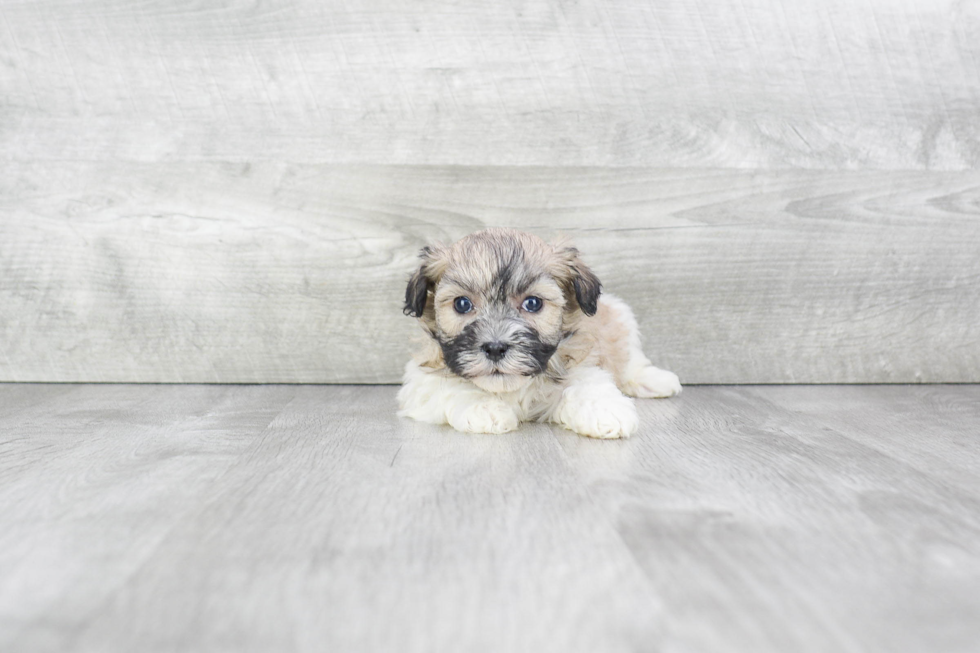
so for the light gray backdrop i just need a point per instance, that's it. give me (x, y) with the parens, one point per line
(235, 191)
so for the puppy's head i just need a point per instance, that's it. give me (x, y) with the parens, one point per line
(499, 303)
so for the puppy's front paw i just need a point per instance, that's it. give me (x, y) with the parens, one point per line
(486, 416)
(606, 416)
(653, 382)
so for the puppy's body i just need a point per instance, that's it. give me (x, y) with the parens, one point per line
(518, 332)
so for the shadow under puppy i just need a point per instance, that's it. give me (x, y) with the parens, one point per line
(518, 332)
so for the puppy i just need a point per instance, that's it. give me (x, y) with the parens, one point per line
(517, 331)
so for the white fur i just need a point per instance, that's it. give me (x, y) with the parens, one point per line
(641, 378)
(439, 397)
(587, 401)
(592, 405)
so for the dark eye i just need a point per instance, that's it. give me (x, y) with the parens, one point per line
(462, 304)
(532, 304)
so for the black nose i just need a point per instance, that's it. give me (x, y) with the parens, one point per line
(495, 350)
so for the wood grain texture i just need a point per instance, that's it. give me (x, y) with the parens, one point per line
(298, 518)
(293, 273)
(825, 84)
(939, 449)
(770, 525)
(93, 478)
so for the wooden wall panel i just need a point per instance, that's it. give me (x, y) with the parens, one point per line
(235, 191)
(294, 273)
(820, 84)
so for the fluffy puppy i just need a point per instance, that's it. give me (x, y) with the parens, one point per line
(518, 331)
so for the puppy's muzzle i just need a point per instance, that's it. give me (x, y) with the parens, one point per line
(495, 351)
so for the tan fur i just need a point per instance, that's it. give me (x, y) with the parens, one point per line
(601, 340)
(465, 268)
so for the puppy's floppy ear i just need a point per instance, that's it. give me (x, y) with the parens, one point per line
(575, 276)
(423, 280)
(416, 293)
(587, 289)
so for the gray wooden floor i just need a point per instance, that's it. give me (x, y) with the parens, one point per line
(310, 518)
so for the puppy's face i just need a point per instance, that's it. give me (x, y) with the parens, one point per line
(499, 303)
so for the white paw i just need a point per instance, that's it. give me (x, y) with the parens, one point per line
(605, 416)
(651, 382)
(486, 416)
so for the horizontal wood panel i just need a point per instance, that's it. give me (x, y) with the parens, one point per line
(825, 84)
(177, 272)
